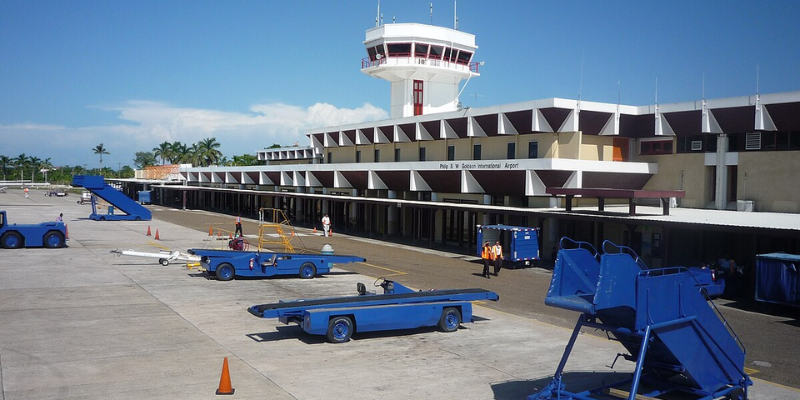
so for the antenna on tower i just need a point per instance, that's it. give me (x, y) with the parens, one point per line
(580, 87)
(656, 91)
(378, 17)
(431, 13)
(455, 15)
(704, 86)
(757, 78)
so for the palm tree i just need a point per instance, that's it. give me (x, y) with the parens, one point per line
(208, 152)
(164, 152)
(99, 149)
(46, 166)
(21, 160)
(35, 162)
(180, 153)
(5, 161)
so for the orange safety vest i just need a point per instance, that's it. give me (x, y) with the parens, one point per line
(497, 252)
(486, 253)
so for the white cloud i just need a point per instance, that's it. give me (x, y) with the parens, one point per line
(148, 123)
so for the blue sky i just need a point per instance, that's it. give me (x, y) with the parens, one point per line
(132, 74)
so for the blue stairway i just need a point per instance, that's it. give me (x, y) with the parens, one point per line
(677, 337)
(118, 200)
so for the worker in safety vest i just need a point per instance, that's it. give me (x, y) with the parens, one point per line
(486, 255)
(497, 256)
(238, 231)
(326, 225)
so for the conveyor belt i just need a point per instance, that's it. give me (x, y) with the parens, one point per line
(371, 298)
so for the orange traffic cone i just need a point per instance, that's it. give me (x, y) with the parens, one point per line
(210, 230)
(148, 231)
(315, 229)
(330, 231)
(157, 235)
(292, 233)
(66, 230)
(225, 380)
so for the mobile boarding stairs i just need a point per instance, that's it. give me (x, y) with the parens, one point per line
(679, 341)
(132, 211)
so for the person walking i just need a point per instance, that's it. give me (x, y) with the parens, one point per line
(497, 254)
(60, 217)
(238, 231)
(486, 255)
(326, 225)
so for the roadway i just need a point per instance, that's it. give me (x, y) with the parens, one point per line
(773, 353)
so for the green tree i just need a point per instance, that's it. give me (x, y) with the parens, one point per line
(5, 161)
(208, 152)
(244, 160)
(35, 163)
(99, 149)
(144, 159)
(164, 152)
(21, 161)
(180, 153)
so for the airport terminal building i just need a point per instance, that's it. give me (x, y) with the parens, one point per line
(694, 181)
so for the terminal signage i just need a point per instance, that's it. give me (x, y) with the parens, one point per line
(466, 165)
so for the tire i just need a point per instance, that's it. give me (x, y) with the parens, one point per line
(450, 320)
(137, 219)
(102, 218)
(736, 394)
(53, 240)
(340, 329)
(163, 261)
(225, 272)
(11, 240)
(308, 270)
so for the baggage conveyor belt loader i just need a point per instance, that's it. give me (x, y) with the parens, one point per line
(679, 341)
(397, 308)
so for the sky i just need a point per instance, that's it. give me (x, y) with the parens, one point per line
(131, 74)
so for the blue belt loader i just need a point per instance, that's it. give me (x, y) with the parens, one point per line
(228, 264)
(399, 307)
(680, 342)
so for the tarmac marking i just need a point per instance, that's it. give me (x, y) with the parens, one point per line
(160, 246)
(395, 272)
(750, 371)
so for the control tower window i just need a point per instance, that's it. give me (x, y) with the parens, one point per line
(464, 57)
(421, 50)
(447, 53)
(399, 49)
(436, 52)
(377, 52)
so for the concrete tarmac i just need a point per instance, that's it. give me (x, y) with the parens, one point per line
(84, 323)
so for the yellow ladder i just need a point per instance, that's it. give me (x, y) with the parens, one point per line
(274, 220)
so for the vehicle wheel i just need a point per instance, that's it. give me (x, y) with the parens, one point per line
(12, 240)
(53, 240)
(308, 270)
(225, 272)
(102, 218)
(163, 261)
(736, 394)
(450, 320)
(340, 329)
(137, 219)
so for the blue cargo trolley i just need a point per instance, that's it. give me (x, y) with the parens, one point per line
(397, 308)
(520, 244)
(678, 339)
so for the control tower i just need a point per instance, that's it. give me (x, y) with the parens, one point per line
(424, 63)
